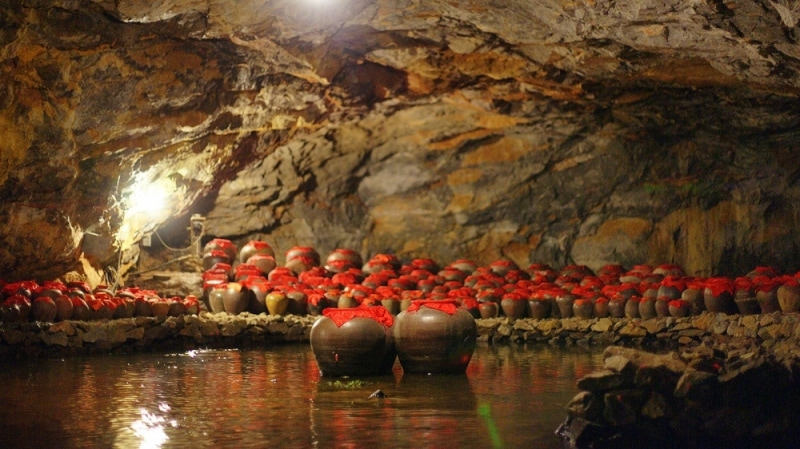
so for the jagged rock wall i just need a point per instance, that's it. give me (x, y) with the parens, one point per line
(658, 131)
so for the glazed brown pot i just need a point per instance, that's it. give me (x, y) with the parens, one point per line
(435, 337)
(223, 245)
(647, 307)
(616, 307)
(298, 303)
(254, 247)
(601, 308)
(256, 294)
(63, 307)
(539, 309)
(582, 308)
(43, 309)
(354, 342)
(789, 297)
(564, 303)
(234, 300)
(514, 308)
(487, 309)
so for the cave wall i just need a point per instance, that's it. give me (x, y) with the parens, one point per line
(591, 133)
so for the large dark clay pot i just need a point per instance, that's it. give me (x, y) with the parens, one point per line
(354, 342)
(435, 337)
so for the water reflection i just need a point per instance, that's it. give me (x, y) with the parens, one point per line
(511, 396)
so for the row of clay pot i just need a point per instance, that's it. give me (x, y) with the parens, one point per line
(55, 301)
(503, 289)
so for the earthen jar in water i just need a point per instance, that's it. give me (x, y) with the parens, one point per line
(435, 337)
(354, 342)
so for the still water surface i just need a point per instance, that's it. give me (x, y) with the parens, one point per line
(510, 397)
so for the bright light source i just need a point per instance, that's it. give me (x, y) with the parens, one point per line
(149, 199)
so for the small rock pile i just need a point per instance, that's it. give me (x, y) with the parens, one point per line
(732, 395)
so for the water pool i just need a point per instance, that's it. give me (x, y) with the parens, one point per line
(511, 396)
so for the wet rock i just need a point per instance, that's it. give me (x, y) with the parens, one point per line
(602, 380)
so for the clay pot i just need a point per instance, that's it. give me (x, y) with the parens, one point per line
(539, 308)
(254, 247)
(616, 307)
(718, 296)
(160, 308)
(303, 251)
(632, 307)
(487, 309)
(392, 305)
(564, 303)
(694, 296)
(298, 303)
(647, 307)
(63, 307)
(216, 303)
(213, 257)
(234, 300)
(346, 301)
(43, 309)
(679, 308)
(277, 303)
(435, 337)
(176, 307)
(583, 308)
(513, 307)
(316, 304)
(789, 297)
(662, 306)
(464, 265)
(354, 342)
(256, 293)
(264, 262)
(351, 256)
(767, 297)
(80, 310)
(223, 245)
(602, 308)
(747, 305)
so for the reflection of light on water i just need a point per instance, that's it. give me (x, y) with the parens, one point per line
(150, 427)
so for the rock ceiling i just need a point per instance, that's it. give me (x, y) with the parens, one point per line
(589, 132)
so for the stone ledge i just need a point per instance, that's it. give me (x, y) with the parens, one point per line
(724, 395)
(221, 330)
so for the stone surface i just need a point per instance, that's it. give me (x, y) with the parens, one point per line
(543, 131)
